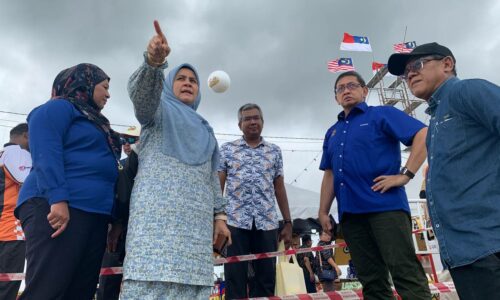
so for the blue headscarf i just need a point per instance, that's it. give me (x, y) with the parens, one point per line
(187, 136)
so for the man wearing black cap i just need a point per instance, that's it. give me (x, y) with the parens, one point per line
(463, 182)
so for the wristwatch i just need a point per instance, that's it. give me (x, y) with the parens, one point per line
(287, 221)
(405, 171)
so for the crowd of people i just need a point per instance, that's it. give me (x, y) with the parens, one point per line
(70, 205)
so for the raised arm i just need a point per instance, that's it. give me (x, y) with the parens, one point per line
(145, 84)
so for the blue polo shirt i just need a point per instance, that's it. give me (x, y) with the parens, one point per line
(365, 145)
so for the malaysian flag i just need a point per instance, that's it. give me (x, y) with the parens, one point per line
(340, 64)
(404, 47)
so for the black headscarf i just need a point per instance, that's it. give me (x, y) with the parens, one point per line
(76, 85)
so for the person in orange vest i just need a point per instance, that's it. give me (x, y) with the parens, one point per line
(15, 165)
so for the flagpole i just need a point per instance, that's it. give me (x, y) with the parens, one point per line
(404, 38)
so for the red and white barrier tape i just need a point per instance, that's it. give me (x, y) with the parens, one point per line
(338, 295)
(217, 261)
(111, 271)
(11, 276)
(247, 257)
(435, 288)
(20, 276)
(240, 258)
(232, 259)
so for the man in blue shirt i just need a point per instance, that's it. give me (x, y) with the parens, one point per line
(362, 160)
(463, 183)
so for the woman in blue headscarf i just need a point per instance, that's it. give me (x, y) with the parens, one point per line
(177, 210)
(65, 203)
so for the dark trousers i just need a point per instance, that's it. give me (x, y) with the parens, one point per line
(65, 267)
(310, 286)
(380, 243)
(479, 280)
(109, 285)
(12, 254)
(236, 274)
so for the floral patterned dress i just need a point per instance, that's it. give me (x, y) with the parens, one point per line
(170, 228)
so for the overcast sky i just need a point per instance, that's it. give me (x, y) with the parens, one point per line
(275, 52)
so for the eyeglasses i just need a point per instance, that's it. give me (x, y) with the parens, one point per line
(129, 140)
(250, 118)
(351, 86)
(418, 65)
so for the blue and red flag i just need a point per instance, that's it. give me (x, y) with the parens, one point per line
(355, 43)
(340, 65)
(406, 47)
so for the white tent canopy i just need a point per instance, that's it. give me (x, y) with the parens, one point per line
(304, 203)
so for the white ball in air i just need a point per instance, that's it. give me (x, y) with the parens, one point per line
(219, 81)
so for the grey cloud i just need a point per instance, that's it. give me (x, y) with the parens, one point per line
(275, 51)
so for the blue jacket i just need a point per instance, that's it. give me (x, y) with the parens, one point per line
(72, 160)
(463, 183)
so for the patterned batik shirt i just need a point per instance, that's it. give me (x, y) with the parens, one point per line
(250, 174)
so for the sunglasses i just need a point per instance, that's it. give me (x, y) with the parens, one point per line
(129, 140)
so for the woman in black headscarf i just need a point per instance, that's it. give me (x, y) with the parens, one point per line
(65, 203)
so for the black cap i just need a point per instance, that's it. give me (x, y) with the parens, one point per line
(397, 61)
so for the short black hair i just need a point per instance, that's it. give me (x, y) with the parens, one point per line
(18, 130)
(306, 238)
(350, 73)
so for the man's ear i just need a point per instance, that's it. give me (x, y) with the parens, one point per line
(449, 64)
(365, 91)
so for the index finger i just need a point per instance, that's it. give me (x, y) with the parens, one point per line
(158, 29)
(59, 230)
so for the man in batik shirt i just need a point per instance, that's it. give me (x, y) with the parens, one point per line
(251, 170)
